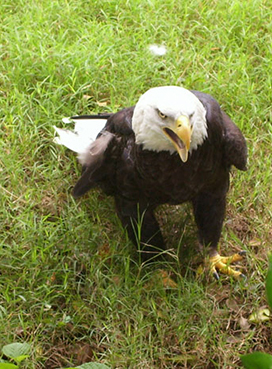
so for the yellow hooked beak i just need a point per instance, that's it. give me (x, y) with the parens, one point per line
(180, 136)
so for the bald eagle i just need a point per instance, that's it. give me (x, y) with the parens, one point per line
(174, 146)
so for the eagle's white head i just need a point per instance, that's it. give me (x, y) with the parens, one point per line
(170, 118)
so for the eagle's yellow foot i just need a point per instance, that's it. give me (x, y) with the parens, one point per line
(221, 264)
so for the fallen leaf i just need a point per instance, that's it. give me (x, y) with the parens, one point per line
(255, 242)
(244, 324)
(162, 277)
(262, 315)
(116, 280)
(102, 103)
(167, 281)
(232, 305)
(84, 353)
(233, 339)
(87, 97)
(104, 251)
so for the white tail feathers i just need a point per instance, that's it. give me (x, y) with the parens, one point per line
(79, 140)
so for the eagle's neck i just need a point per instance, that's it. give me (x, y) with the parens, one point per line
(200, 130)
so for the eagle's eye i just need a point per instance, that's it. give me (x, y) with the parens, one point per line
(163, 116)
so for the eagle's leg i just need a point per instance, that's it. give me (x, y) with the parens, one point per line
(142, 227)
(209, 212)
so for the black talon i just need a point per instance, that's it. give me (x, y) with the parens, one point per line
(216, 276)
(242, 253)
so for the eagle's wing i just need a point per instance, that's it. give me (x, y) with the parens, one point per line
(234, 143)
(120, 123)
(101, 155)
(94, 159)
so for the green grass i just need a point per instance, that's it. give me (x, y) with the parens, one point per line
(71, 283)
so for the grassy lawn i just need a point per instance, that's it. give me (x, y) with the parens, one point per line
(70, 281)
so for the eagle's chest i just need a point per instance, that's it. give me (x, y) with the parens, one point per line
(163, 178)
